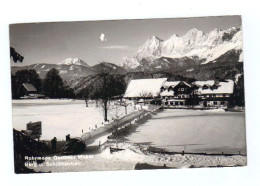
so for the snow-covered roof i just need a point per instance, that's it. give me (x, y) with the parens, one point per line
(171, 83)
(167, 93)
(201, 83)
(226, 87)
(29, 87)
(186, 83)
(144, 87)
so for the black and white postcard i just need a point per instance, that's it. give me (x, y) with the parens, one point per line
(128, 94)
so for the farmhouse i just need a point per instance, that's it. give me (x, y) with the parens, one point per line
(176, 93)
(141, 90)
(29, 91)
(28, 88)
(211, 93)
(215, 93)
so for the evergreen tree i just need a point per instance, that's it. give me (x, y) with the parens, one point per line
(239, 93)
(53, 84)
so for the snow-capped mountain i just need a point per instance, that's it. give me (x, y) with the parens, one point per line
(70, 68)
(73, 61)
(194, 46)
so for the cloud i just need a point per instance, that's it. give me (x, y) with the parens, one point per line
(119, 47)
(103, 37)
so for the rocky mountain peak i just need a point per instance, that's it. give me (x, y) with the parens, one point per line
(73, 61)
(200, 47)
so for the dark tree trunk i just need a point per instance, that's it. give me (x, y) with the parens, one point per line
(105, 110)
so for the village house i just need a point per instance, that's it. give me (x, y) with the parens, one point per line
(144, 90)
(215, 93)
(29, 91)
(176, 93)
(211, 93)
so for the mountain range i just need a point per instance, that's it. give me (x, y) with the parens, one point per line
(70, 68)
(193, 48)
(195, 55)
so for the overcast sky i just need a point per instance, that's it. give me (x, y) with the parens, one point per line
(97, 41)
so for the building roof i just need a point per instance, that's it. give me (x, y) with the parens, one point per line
(144, 87)
(172, 84)
(167, 93)
(226, 87)
(29, 87)
(201, 83)
(186, 83)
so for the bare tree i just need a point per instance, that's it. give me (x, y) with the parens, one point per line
(109, 84)
(125, 105)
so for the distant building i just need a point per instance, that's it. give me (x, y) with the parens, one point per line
(210, 93)
(215, 93)
(175, 93)
(29, 91)
(28, 88)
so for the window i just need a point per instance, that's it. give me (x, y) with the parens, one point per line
(181, 103)
(176, 103)
(222, 103)
(182, 89)
(215, 103)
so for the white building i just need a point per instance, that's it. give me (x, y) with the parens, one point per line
(144, 89)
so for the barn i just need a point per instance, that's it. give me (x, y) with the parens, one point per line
(144, 89)
(29, 91)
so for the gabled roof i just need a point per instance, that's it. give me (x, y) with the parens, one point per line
(186, 83)
(144, 88)
(201, 83)
(223, 87)
(29, 87)
(167, 93)
(172, 84)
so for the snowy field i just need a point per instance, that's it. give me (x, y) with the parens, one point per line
(128, 158)
(61, 117)
(213, 131)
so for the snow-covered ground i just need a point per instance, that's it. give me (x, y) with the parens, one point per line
(60, 117)
(128, 158)
(211, 131)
